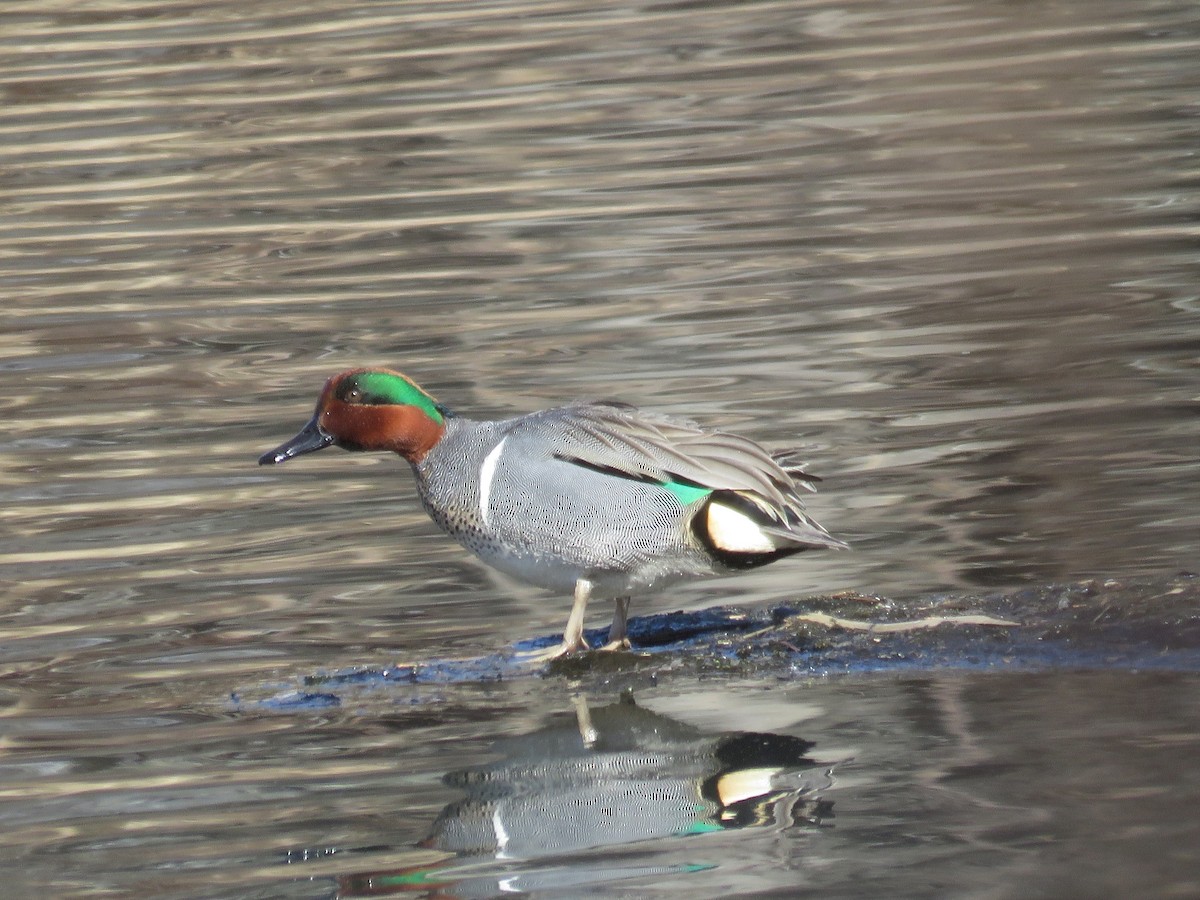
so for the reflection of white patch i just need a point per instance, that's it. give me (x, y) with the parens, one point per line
(736, 532)
(487, 472)
(744, 784)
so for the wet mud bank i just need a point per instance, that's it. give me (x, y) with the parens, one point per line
(1148, 623)
(1138, 623)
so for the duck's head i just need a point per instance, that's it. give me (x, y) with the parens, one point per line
(368, 409)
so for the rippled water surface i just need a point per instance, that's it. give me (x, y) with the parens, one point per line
(950, 249)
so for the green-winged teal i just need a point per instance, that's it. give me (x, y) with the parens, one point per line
(599, 499)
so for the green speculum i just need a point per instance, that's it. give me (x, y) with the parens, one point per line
(686, 492)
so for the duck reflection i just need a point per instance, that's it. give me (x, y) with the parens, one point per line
(621, 774)
(615, 775)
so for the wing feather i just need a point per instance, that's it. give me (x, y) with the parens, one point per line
(648, 446)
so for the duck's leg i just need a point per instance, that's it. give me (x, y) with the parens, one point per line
(573, 633)
(618, 637)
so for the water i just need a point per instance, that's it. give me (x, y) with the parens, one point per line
(952, 250)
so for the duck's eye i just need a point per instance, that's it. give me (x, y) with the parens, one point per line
(351, 393)
(377, 389)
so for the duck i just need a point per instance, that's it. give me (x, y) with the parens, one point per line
(597, 499)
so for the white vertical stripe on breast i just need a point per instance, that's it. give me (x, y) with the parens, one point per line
(487, 472)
